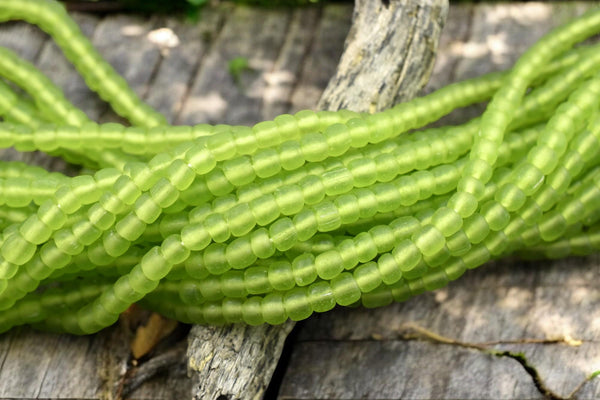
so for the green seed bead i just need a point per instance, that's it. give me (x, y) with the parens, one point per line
(283, 234)
(447, 221)
(463, 203)
(173, 249)
(194, 266)
(338, 139)
(139, 281)
(195, 237)
(328, 217)
(232, 310)
(458, 244)
(296, 304)
(215, 260)
(200, 159)
(130, 227)
(239, 171)
(114, 243)
(264, 209)
(53, 257)
(476, 257)
(303, 269)
(97, 254)
(273, 310)
(164, 193)
(455, 268)
(67, 200)
(100, 217)
(290, 156)
(51, 215)
(240, 219)
(217, 227)
(257, 280)
(409, 191)
(345, 290)
(496, 216)
(180, 174)
(67, 242)
(239, 253)
(306, 224)
(476, 228)
(232, 284)
(314, 147)
(111, 203)
(328, 265)
(429, 240)
(17, 250)
(313, 189)
(126, 190)
(261, 243)
(281, 275)
(146, 209)
(34, 230)
(364, 172)
(289, 199)
(85, 232)
(252, 311)
(123, 290)
(407, 255)
(155, 265)
(266, 163)
(367, 277)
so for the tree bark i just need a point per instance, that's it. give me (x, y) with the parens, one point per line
(388, 57)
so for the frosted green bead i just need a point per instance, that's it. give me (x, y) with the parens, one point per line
(155, 265)
(67, 200)
(67, 242)
(34, 230)
(281, 276)
(297, 305)
(239, 171)
(314, 147)
(53, 257)
(364, 171)
(463, 203)
(367, 277)
(139, 281)
(232, 310)
(239, 253)
(264, 209)
(283, 234)
(215, 259)
(200, 159)
(476, 228)
(146, 209)
(458, 243)
(289, 199)
(252, 311)
(429, 240)
(290, 155)
(217, 227)
(272, 309)
(328, 217)
(174, 250)
(345, 290)
(232, 284)
(17, 250)
(306, 224)
(303, 269)
(267, 133)
(407, 255)
(257, 280)
(476, 257)
(261, 244)
(240, 219)
(130, 227)
(114, 243)
(126, 190)
(164, 193)
(266, 163)
(328, 265)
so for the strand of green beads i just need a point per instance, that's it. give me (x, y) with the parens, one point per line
(51, 17)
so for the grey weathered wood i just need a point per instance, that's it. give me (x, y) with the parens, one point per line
(381, 30)
(360, 353)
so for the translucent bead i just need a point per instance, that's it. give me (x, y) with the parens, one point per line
(347, 205)
(240, 219)
(174, 250)
(232, 310)
(257, 280)
(313, 189)
(281, 276)
(267, 133)
(114, 244)
(306, 224)
(303, 269)
(345, 290)
(387, 196)
(409, 191)
(290, 155)
(297, 305)
(328, 217)
(130, 227)
(252, 311)
(140, 282)
(17, 250)
(429, 240)
(239, 253)
(458, 243)
(261, 243)
(289, 199)
(367, 277)
(266, 163)
(239, 171)
(476, 257)
(217, 227)
(476, 228)
(53, 257)
(126, 190)
(329, 264)
(215, 260)
(283, 234)
(273, 310)
(496, 216)
(200, 159)
(232, 284)
(464, 204)
(407, 255)
(67, 200)
(66, 241)
(265, 209)
(364, 171)
(164, 193)
(34, 230)
(314, 147)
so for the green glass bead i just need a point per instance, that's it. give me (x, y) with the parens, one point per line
(476, 257)
(429, 240)
(140, 282)
(232, 310)
(266, 163)
(273, 310)
(328, 265)
(126, 190)
(34, 230)
(289, 199)
(264, 209)
(111, 203)
(321, 297)
(407, 255)
(164, 193)
(17, 250)
(345, 290)
(283, 234)
(240, 219)
(200, 159)
(303, 269)
(232, 284)
(290, 155)
(53, 257)
(496, 216)
(367, 277)
(217, 227)
(364, 172)
(215, 259)
(67, 242)
(252, 311)
(130, 227)
(281, 275)
(266, 133)
(239, 253)
(67, 200)
(173, 249)
(338, 139)
(239, 171)
(328, 217)
(306, 224)
(261, 243)
(257, 280)
(464, 204)
(476, 228)
(297, 305)
(155, 265)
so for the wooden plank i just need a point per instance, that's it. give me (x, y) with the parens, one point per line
(180, 61)
(321, 63)
(507, 302)
(281, 81)
(218, 96)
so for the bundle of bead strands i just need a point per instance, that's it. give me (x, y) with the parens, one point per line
(291, 216)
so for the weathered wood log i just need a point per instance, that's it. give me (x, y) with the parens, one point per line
(396, 53)
(389, 54)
